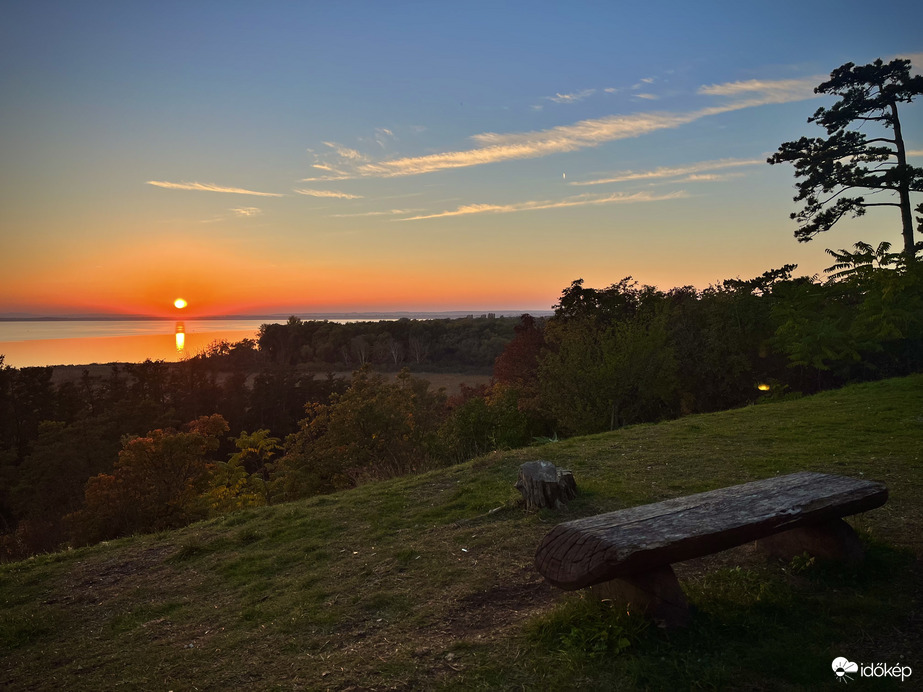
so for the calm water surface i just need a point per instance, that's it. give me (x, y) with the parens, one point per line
(26, 344)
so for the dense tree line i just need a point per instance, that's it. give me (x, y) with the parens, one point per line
(156, 445)
(457, 345)
(630, 353)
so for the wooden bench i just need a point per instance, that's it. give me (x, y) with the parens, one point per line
(626, 555)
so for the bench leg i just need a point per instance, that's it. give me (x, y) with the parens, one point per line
(833, 540)
(656, 593)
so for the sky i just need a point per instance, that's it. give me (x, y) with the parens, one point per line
(352, 156)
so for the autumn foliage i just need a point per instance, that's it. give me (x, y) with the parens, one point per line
(156, 484)
(375, 429)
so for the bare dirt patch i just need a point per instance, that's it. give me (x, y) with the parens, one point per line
(94, 582)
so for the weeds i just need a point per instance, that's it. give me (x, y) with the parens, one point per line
(190, 548)
(586, 628)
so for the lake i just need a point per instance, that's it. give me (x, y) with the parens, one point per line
(73, 342)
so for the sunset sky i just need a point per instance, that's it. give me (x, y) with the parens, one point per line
(341, 156)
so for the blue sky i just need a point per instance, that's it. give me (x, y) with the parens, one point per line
(312, 156)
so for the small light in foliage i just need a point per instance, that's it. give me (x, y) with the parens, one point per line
(763, 387)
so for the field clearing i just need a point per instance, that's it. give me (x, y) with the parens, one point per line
(451, 382)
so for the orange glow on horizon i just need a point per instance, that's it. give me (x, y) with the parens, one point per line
(229, 281)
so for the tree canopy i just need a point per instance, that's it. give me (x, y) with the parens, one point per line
(831, 169)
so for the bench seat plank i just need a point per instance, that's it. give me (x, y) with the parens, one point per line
(588, 551)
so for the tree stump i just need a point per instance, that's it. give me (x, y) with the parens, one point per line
(542, 484)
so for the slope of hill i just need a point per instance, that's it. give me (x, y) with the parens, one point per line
(427, 581)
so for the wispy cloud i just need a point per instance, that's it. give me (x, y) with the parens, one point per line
(334, 194)
(915, 152)
(389, 212)
(346, 158)
(346, 153)
(571, 98)
(787, 89)
(535, 205)
(671, 171)
(209, 187)
(247, 211)
(496, 147)
(508, 147)
(384, 136)
(707, 178)
(337, 176)
(649, 97)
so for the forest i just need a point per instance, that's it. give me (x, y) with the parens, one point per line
(156, 445)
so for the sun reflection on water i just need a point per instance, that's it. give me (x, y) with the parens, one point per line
(180, 338)
(115, 342)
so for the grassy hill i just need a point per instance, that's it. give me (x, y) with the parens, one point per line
(427, 581)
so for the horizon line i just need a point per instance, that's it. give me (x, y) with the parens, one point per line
(284, 315)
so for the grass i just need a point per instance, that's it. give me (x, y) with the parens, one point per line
(416, 583)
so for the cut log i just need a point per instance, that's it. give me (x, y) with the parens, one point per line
(542, 485)
(588, 551)
(833, 540)
(657, 594)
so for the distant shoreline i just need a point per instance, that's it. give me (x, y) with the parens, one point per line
(317, 316)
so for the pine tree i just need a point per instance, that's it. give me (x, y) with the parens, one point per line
(847, 160)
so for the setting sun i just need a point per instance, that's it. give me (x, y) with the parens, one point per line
(180, 303)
